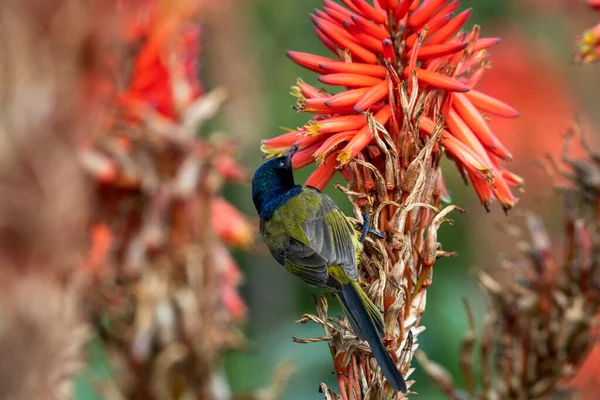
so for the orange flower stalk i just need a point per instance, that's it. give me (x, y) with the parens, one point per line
(407, 72)
(377, 51)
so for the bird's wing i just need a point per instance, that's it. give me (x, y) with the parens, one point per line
(303, 261)
(308, 234)
(331, 234)
(285, 237)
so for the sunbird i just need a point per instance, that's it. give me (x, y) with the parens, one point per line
(309, 235)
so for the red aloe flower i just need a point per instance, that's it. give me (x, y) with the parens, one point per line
(387, 52)
(164, 72)
(163, 94)
(230, 225)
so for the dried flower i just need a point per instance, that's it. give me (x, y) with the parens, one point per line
(540, 329)
(381, 52)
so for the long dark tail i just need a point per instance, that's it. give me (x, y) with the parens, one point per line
(367, 322)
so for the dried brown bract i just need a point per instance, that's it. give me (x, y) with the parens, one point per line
(544, 305)
(397, 270)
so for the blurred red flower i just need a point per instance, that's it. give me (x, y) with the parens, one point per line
(163, 44)
(164, 73)
(526, 76)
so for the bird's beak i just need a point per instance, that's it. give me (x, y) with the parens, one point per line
(290, 153)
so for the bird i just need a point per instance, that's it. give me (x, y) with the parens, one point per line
(311, 237)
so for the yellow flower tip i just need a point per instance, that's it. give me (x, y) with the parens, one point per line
(286, 129)
(295, 91)
(244, 239)
(312, 128)
(508, 206)
(590, 38)
(269, 152)
(520, 181)
(300, 104)
(488, 175)
(344, 157)
(320, 159)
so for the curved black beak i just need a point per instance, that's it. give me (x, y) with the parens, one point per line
(290, 153)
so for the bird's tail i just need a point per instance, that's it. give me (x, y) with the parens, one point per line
(367, 322)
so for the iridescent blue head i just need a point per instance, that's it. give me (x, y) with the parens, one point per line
(272, 184)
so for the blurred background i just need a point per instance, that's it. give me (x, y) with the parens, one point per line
(532, 70)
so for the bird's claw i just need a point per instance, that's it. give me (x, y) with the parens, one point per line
(366, 228)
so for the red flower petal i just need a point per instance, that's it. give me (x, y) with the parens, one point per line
(368, 11)
(460, 151)
(336, 124)
(369, 27)
(377, 71)
(473, 118)
(323, 173)
(326, 41)
(375, 94)
(350, 80)
(491, 105)
(362, 138)
(331, 143)
(450, 28)
(485, 43)
(344, 40)
(278, 145)
(307, 60)
(434, 25)
(230, 225)
(304, 157)
(404, 7)
(424, 13)
(439, 81)
(347, 98)
(440, 50)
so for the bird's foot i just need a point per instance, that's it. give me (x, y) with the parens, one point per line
(366, 228)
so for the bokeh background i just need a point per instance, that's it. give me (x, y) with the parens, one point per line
(532, 69)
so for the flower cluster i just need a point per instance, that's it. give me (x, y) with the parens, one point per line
(589, 42)
(381, 52)
(160, 228)
(164, 97)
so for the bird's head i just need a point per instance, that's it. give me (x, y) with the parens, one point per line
(272, 177)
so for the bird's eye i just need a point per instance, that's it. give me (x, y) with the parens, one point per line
(281, 164)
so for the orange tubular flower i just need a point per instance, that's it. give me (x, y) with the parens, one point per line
(164, 74)
(382, 50)
(230, 225)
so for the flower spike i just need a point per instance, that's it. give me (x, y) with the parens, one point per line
(396, 59)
